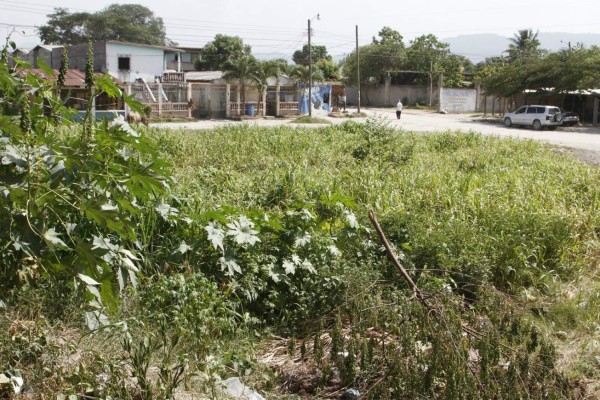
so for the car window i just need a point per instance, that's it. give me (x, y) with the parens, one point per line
(553, 110)
(521, 110)
(532, 110)
(541, 110)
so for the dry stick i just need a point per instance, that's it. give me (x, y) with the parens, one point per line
(394, 259)
(417, 293)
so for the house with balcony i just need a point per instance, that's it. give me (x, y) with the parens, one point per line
(186, 60)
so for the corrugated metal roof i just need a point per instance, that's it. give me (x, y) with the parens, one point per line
(48, 47)
(74, 78)
(203, 75)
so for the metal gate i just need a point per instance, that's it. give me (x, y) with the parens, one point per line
(208, 100)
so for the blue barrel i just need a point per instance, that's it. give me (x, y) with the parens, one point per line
(250, 110)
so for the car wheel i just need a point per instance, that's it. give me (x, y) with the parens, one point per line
(537, 125)
(507, 122)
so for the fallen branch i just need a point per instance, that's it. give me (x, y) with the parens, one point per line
(390, 252)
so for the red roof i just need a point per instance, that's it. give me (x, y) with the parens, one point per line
(74, 78)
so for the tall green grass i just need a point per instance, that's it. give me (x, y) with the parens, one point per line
(516, 213)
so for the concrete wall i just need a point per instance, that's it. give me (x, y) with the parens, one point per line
(458, 100)
(145, 62)
(388, 95)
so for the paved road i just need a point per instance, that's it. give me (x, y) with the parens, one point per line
(585, 138)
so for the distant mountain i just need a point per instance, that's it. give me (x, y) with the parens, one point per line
(477, 47)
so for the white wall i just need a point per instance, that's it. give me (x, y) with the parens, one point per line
(459, 100)
(145, 62)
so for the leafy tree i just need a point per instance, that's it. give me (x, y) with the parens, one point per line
(388, 36)
(215, 55)
(488, 67)
(124, 22)
(524, 44)
(65, 27)
(560, 72)
(426, 52)
(509, 80)
(300, 57)
(385, 54)
(329, 69)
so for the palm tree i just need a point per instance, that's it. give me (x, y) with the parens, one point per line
(264, 71)
(524, 43)
(301, 74)
(242, 69)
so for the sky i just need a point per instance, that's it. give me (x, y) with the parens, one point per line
(277, 29)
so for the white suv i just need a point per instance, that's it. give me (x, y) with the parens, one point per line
(534, 116)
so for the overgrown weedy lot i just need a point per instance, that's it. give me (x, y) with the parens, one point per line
(157, 265)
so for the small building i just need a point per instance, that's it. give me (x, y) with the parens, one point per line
(73, 93)
(20, 54)
(215, 97)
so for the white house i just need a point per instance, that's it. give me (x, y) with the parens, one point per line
(128, 62)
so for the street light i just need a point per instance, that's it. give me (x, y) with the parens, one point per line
(310, 81)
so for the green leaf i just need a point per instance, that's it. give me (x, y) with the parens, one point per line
(183, 248)
(95, 320)
(46, 68)
(88, 280)
(51, 237)
(106, 84)
(106, 292)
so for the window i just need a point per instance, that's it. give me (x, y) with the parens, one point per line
(124, 63)
(532, 110)
(521, 110)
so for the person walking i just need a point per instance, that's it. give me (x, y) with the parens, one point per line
(399, 109)
(343, 100)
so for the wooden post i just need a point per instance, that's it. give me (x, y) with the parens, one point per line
(596, 105)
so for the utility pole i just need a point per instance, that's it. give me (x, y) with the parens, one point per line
(357, 71)
(310, 83)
